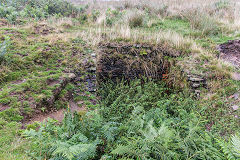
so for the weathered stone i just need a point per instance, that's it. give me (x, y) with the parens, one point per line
(197, 93)
(236, 96)
(92, 69)
(131, 61)
(71, 75)
(196, 85)
(195, 79)
(235, 107)
(93, 54)
(91, 83)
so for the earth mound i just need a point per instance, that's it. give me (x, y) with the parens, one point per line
(230, 52)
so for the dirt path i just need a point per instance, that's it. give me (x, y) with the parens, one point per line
(58, 115)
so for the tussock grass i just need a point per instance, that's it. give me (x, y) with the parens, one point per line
(136, 20)
(226, 11)
(124, 32)
(202, 21)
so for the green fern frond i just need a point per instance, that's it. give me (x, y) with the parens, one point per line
(30, 133)
(4, 47)
(81, 151)
(121, 150)
(236, 145)
(78, 138)
(227, 149)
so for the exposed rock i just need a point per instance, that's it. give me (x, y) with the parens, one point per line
(130, 61)
(236, 76)
(236, 96)
(197, 93)
(71, 75)
(196, 85)
(93, 54)
(85, 62)
(92, 69)
(195, 79)
(235, 107)
(91, 83)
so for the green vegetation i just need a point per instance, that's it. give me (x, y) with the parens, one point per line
(13, 10)
(12, 146)
(49, 50)
(202, 22)
(4, 47)
(137, 122)
(136, 21)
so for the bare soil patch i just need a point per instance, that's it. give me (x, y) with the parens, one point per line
(57, 115)
(230, 52)
(43, 29)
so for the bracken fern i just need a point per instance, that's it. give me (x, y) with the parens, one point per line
(4, 47)
(134, 121)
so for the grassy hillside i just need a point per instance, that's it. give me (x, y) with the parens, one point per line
(147, 79)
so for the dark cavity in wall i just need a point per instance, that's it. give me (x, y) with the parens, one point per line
(128, 61)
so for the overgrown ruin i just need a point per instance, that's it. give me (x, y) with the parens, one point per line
(129, 61)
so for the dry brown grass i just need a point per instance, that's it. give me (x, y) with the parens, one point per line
(96, 35)
(228, 13)
(202, 21)
(199, 61)
(135, 20)
(190, 64)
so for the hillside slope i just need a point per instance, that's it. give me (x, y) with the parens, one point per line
(155, 80)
